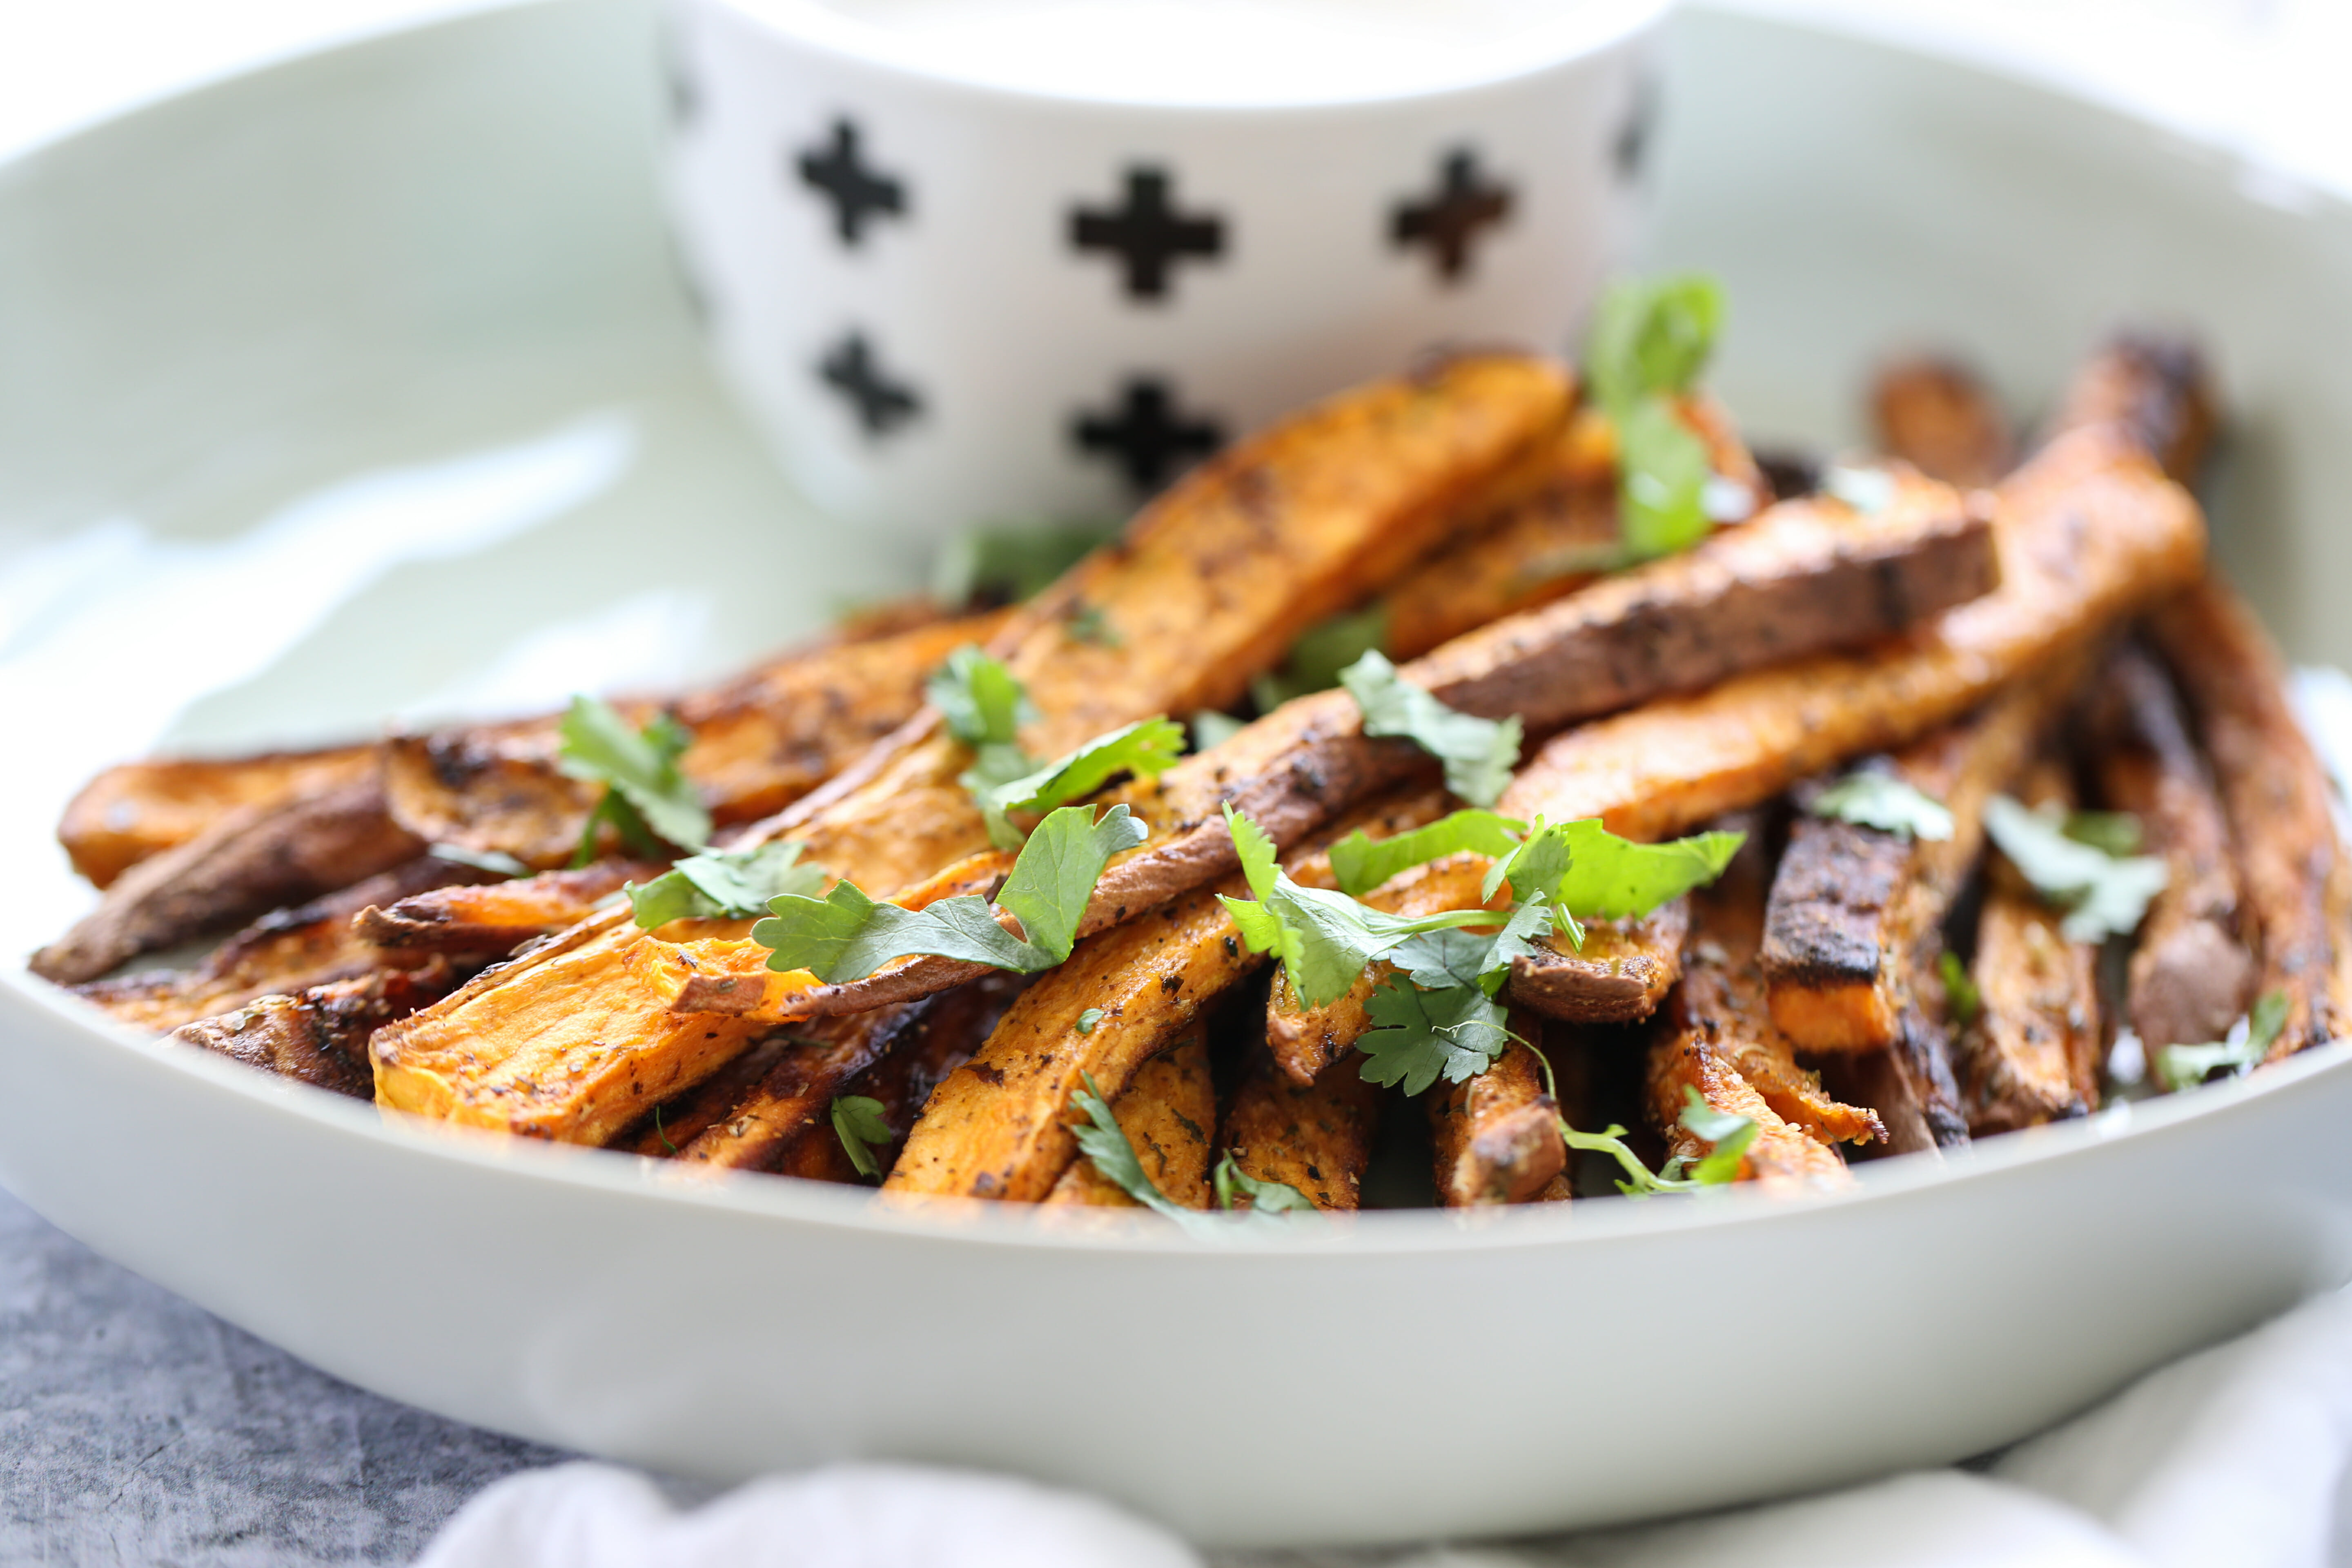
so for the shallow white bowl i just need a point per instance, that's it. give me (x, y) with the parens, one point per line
(342, 389)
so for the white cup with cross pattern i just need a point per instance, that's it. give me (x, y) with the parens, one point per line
(974, 260)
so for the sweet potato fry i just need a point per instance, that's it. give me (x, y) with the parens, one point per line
(2192, 972)
(1545, 544)
(1497, 1136)
(2297, 881)
(1167, 1112)
(1936, 415)
(129, 812)
(1210, 585)
(286, 951)
(2153, 388)
(1856, 913)
(253, 858)
(319, 1035)
(2031, 1054)
(1619, 976)
(1316, 1138)
(495, 917)
(760, 742)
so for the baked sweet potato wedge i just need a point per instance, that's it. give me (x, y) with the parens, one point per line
(1316, 1138)
(1496, 1137)
(760, 742)
(2155, 389)
(1210, 584)
(495, 916)
(1936, 415)
(2033, 1053)
(285, 951)
(251, 860)
(1619, 976)
(1167, 1113)
(130, 812)
(2193, 970)
(2297, 881)
(319, 1035)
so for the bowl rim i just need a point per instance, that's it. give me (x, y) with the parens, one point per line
(1578, 31)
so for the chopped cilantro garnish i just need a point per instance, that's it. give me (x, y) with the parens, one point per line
(1360, 863)
(1233, 1184)
(2116, 832)
(1960, 992)
(1418, 1037)
(846, 936)
(984, 706)
(1319, 653)
(2186, 1067)
(1478, 754)
(1089, 1019)
(1730, 1134)
(1147, 749)
(1650, 339)
(723, 884)
(861, 1126)
(1869, 798)
(648, 801)
(1586, 872)
(1639, 1180)
(496, 861)
(1011, 561)
(2103, 895)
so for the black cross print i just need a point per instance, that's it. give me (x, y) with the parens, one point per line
(1147, 233)
(857, 192)
(1146, 437)
(882, 404)
(1451, 219)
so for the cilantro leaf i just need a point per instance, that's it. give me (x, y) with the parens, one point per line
(1730, 1134)
(1587, 872)
(1324, 938)
(861, 1126)
(646, 799)
(982, 702)
(1419, 1036)
(493, 860)
(1011, 561)
(1147, 749)
(1322, 651)
(2186, 1067)
(1102, 1140)
(1960, 992)
(2103, 895)
(1089, 1020)
(846, 936)
(2116, 832)
(1456, 957)
(723, 884)
(1869, 798)
(1360, 863)
(1233, 1184)
(1663, 469)
(1478, 754)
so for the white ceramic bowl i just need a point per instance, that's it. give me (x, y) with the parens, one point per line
(386, 338)
(955, 282)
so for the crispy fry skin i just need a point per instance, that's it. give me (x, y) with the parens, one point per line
(2089, 533)
(319, 1035)
(1497, 1136)
(1544, 544)
(1857, 912)
(285, 951)
(767, 1126)
(2192, 974)
(1167, 1113)
(997, 1126)
(1317, 1138)
(1934, 414)
(253, 858)
(1211, 585)
(1619, 976)
(2156, 390)
(2032, 1054)
(497, 917)
(2297, 881)
(760, 742)
(127, 814)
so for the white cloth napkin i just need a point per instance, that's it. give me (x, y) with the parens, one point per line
(2233, 1457)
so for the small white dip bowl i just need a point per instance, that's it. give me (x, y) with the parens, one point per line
(964, 260)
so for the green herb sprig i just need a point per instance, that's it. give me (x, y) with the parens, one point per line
(1650, 340)
(648, 801)
(2103, 895)
(2186, 1067)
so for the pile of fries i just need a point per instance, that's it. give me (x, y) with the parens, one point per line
(1978, 721)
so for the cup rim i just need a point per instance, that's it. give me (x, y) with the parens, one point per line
(1583, 28)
